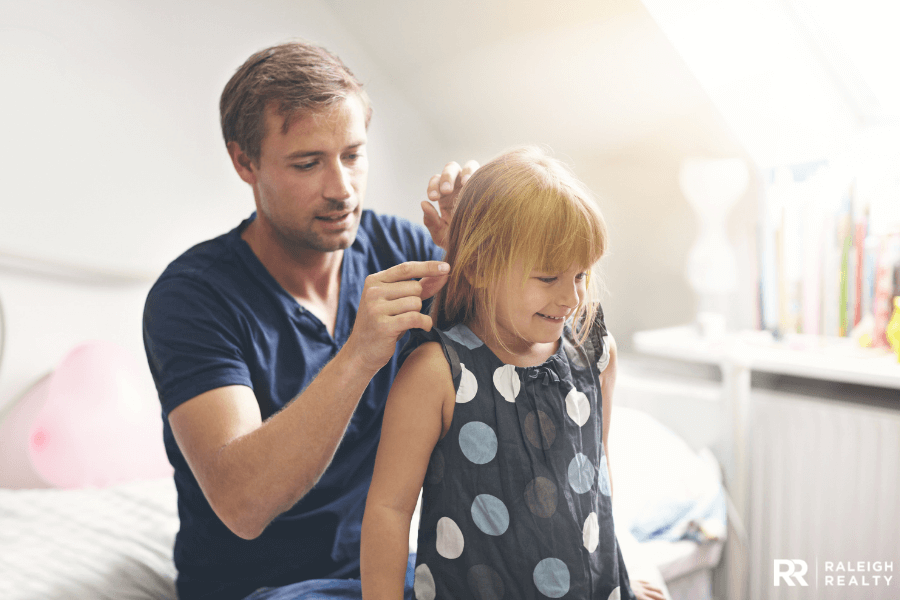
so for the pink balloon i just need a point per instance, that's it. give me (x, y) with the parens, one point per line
(16, 469)
(99, 423)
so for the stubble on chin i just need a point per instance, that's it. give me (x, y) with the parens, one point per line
(301, 243)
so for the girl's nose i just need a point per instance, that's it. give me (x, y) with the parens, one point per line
(569, 296)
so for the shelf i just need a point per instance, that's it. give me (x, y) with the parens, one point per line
(813, 357)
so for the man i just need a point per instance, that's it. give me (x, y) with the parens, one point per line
(273, 346)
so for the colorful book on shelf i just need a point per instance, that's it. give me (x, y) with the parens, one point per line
(831, 277)
(845, 232)
(882, 302)
(859, 245)
(811, 240)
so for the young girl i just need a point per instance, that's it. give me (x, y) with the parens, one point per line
(498, 409)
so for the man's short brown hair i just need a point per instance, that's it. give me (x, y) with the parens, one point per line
(294, 78)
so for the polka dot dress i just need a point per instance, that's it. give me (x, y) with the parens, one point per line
(516, 499)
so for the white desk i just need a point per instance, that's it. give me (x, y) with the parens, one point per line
(739, 354)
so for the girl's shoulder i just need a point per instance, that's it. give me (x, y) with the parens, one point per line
(427, 360)
(453, 342)
(426, 378)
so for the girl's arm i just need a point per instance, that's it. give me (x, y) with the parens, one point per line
(607, 385)
(413, 423)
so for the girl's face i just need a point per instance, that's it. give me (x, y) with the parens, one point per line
(536, 313)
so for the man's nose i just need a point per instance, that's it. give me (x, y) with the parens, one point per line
(338, 185)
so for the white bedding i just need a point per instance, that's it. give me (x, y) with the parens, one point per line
(113, 543)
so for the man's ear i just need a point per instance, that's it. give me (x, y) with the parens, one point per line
(243, 164)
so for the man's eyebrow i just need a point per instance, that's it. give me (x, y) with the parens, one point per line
(302, 154)
(311, 153)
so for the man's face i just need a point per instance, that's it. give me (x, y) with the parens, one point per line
(311, 180)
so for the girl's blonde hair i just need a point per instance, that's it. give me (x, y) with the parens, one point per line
(521, 206)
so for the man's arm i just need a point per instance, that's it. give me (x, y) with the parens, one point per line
(232, 453)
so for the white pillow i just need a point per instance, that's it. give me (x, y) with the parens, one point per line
(656, 475)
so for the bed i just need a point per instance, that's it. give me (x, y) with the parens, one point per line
(96, 543)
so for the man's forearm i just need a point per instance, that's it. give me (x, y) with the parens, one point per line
(263, 473)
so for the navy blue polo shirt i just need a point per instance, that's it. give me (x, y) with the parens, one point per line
(216, 317)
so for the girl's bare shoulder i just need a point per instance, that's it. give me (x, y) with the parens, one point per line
(426, 368)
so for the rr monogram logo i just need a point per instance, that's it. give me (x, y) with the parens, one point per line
(787, 569)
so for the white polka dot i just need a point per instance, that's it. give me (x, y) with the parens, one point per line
(581, 473)
(449, 538)
(603, 361)
(616, 594)
(424, 583)
(591, 533)
(578, 407)
(468, 385)
(603, 477)
(506, 380)
(551, 576)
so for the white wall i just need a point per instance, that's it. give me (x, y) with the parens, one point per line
(112, 155)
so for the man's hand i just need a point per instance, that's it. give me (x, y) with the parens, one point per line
(390, 305)
(444, 189)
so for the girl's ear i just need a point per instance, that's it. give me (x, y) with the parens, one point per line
(474, 279)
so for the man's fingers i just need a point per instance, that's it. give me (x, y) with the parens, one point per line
(430, 216)
(433, 184)
(403, 305)
(393, 291)
(448, 177)
(412, 270)
(467, 170)
(419, 290)
(431, 285)
(413, 320)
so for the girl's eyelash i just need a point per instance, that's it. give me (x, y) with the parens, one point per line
(579, 277)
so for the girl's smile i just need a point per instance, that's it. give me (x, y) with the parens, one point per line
(531, 316)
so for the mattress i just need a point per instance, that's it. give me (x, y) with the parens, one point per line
(111, 543)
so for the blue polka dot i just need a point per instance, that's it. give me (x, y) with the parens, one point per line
(603, 477)
(478, 442)
(490, 514)
(551, 576)
(581, 474)
(463, 335)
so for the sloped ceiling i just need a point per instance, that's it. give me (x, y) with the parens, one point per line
(579, 76)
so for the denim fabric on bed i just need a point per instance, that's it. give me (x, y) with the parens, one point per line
(329, 589)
